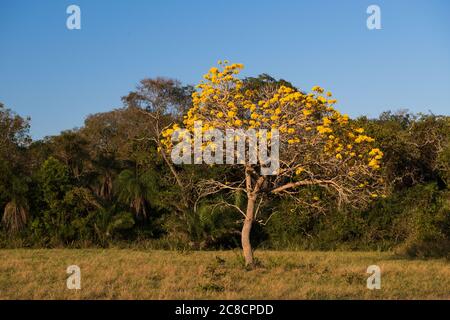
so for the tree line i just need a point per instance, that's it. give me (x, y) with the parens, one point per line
(109, 184)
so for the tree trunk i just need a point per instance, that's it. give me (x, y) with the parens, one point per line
(247, 227)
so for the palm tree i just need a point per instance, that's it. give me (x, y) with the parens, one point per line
(105, 167)
(137, 190)
(15, 215)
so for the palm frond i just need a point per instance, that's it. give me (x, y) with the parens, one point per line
(15, 215)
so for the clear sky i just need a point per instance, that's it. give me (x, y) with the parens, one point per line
(59, 76)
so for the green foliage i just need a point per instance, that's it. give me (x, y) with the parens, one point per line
(137, 190)
(109, 221)
(55, 181)
(106, 184)
(14, 138)
(427, 225)
(415, 221)
(16, 215)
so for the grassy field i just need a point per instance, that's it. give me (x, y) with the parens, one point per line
(139, 274)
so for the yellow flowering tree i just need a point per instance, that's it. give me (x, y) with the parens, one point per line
(319, 147)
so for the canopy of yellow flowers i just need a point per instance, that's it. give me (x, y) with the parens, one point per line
(222, 102)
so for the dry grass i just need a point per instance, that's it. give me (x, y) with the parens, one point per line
(134, 274)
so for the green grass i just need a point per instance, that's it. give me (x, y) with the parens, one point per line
(150, 274)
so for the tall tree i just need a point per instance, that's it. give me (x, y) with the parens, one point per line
(163, 101)
(319, 147)
(14, 139)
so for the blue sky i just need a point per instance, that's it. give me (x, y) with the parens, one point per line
(59, 76)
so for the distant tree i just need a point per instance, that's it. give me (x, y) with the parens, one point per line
(414, 146)
(137, 190)
(104, 171)
(114, 133)
(15, 215)
(14, 134)
(161, 101)
(70, 147)
(14, 139)
(55, 180)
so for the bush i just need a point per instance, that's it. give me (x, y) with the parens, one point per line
(414, 221)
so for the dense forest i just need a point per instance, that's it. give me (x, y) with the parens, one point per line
(108, 184)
